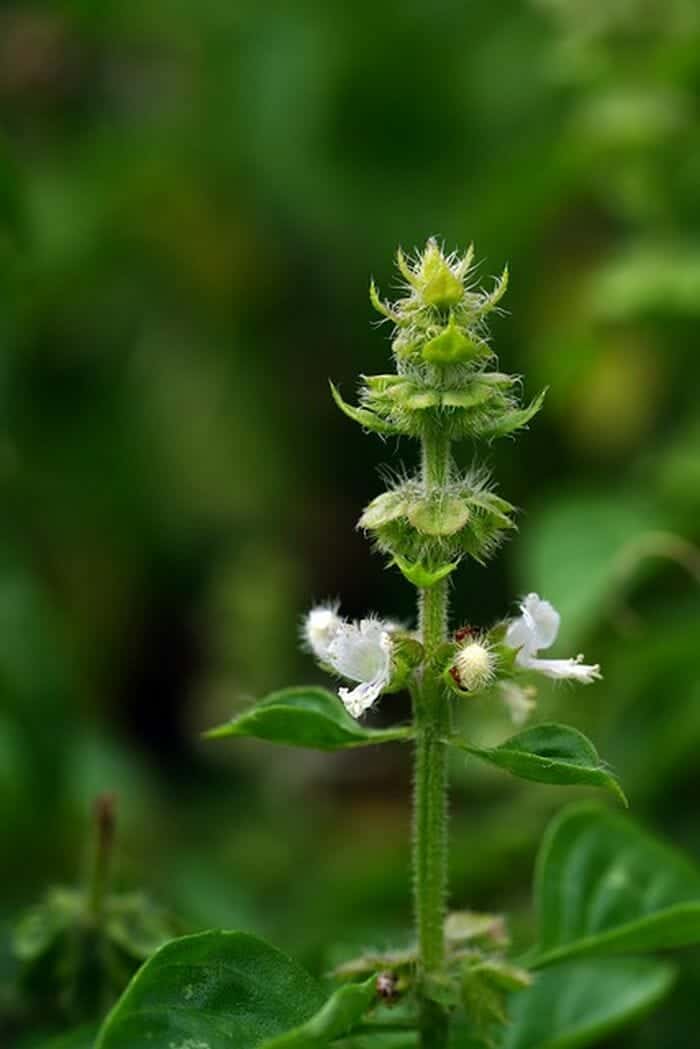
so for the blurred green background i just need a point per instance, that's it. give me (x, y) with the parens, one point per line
(192, 199)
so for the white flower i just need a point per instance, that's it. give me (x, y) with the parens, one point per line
(362, 652)
(474, 666)
(320, 627)
(519, 701)
(537, 627)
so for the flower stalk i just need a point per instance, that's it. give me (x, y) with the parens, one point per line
(430, 834)
(432, 726)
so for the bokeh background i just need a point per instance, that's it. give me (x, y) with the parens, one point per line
(192, 200)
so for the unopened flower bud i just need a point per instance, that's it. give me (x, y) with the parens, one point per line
(439, 285)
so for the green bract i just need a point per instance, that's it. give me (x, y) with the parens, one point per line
(440, 345)
(466, 403)
(452, 346)
(444, 384)
(434, 529)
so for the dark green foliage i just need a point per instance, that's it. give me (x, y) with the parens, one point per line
(72, 965)
(219, 989)
(603, 886)
(305, 717)
(548, 753)
(580, 1004)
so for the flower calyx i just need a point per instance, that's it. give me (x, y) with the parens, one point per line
(435, 529)
(480, 404)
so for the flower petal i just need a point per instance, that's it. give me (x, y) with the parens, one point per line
(521, 635)
(361, 653)
(566, 669)
(359, 699)
(542, 618)
(320, 627)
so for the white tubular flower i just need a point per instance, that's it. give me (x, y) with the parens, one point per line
(320, 627)
(537, 627)
(362, 652)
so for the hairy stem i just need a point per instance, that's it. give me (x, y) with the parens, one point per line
(431, 717)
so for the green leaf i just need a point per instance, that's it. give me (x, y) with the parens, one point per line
(215, 990)
(339, 1014)
(579, 1004)
(549, 753)
(305, 717)
(604, 886)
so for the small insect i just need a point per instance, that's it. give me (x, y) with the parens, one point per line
(387, 984)
(463, 633)
(454, 674)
